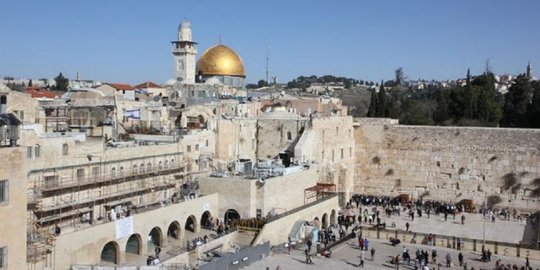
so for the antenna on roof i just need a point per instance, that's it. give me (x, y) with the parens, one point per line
(267, 62)
(219, 40)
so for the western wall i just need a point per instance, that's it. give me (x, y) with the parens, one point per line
(448, 163)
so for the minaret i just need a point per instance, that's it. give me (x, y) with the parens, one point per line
(184, 52)
(529, 70)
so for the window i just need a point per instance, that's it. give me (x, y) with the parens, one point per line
(196, 147)
(134, 169)
(160, 165)
(51, 181)
(149, 167)
(29, 151)
(289, 135)
(4, 191)
(3, 257)
(189, 148)
(80, 174)
(166, 164)
(113, 172)
(121, 172)
(37, 150)
(65, 149)
(95, 172)
(172, 163)
(141, 168)
(342, 153)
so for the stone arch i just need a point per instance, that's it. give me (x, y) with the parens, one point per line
(324, 221)
(134, 244)
(141, 168)
(155, 238)
(333, 217)
(166, 166)
(174, 230)
(149, 167)
(121, 171)
(191, 224)
(232, 215)
(113, 171)
(111, 253)
(135, 171)
(206, 217)
(160, 165)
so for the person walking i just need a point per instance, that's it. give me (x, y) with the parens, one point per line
(372, 251)
(462, 219)
(460, 259)
(361, 259)
(448, 260)
(407, 225)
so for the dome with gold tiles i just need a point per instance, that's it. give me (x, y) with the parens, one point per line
(220, 60)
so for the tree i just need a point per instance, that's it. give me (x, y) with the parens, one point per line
(262, 83)
(62, 82)
(516, 104)
(534, 108)
(372, 111)
(382, 102)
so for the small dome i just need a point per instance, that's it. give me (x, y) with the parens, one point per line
(222, 61)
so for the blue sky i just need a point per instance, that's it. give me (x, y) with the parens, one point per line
(129, 41)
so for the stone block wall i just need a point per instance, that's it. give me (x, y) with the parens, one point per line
(447, 163)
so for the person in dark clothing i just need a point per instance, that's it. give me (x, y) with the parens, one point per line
(460, 259)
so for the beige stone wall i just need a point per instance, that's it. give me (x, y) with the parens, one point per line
(236, 139)
(85, 246)
(13, 212)
(24, 107)
(329, 142)
(451, 163)
(247, 195)
(273, 133)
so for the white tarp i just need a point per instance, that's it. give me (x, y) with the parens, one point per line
(124, 227)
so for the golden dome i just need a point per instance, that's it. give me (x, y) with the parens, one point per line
(220, 60)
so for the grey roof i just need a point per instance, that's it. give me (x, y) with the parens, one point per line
(9, 119)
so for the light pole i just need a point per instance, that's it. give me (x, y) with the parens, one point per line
(484, 223)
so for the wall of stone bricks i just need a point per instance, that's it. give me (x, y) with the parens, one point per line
(447, 163)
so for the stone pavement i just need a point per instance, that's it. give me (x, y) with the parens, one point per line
(346, 256)
(509, 231)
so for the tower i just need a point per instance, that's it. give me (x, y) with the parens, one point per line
(184, 52)
(529, 71)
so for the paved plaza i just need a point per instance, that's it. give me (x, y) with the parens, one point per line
(346, 256)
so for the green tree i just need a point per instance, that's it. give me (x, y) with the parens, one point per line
(62, 82)
(382, 102)
(516, 106)
(262, 83)
(534, 107)
(372, 111)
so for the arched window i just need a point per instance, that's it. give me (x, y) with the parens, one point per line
(149, 167)
(166, 164)
(141, 168)
(289, 135)
(135, 169)
(113, 172)
(121, 171)
(172, 163)
(160, 165)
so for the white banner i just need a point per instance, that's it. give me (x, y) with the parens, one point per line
(124, 227)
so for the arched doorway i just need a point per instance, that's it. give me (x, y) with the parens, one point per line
(333, 220)
(206, 220)
(133, 244)
(231, 215)
(109, 253)
(174, 230)
(155, 238)
(324, 221)
(191, 224)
